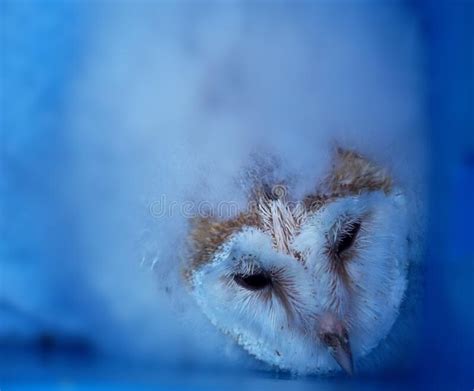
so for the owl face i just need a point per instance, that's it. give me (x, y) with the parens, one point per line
(306, 289)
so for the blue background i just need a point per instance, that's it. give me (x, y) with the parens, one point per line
(40, 48)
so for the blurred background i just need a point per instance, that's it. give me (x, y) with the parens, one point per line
(106, 106)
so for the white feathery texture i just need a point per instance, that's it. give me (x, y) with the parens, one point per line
(260, 321)
(282, 220)
(171, 101)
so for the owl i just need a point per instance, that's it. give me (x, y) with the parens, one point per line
(313, 285)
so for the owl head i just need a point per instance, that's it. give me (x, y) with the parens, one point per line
(308, 286)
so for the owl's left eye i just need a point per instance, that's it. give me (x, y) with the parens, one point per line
(253, 282)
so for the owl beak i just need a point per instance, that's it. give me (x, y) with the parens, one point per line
(334, 335)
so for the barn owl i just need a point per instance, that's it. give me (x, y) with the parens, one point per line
(307, 286)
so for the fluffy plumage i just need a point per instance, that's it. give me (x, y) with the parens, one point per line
(306, 285)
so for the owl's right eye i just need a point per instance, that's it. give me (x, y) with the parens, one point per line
(253, 282)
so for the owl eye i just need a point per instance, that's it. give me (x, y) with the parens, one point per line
(347, 237)
(253, 282)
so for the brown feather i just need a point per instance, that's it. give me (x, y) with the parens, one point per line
(351, 174)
